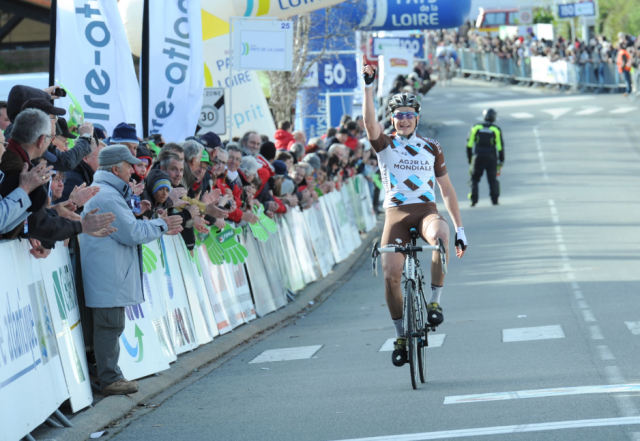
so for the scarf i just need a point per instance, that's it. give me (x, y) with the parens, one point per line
(18, 150)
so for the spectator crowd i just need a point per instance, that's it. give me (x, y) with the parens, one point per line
(595, 52)
(103, 195)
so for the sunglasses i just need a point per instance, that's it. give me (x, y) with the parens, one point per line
(405, 115)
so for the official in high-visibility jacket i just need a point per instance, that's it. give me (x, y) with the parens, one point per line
(485, 151)
(623, 61)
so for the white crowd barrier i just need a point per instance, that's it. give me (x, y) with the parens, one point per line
(231, 279)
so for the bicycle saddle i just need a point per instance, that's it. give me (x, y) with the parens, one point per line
(414, 233)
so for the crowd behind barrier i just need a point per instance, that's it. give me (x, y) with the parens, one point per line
(542, 70)
(595, 64)
(235, 275)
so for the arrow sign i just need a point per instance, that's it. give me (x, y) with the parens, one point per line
(139, 349)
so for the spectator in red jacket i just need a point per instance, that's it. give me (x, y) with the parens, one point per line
(283, 136)
(230, 185)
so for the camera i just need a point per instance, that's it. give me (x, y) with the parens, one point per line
(228, 205)
(60, 92)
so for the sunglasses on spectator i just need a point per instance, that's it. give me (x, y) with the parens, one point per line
(405, 115)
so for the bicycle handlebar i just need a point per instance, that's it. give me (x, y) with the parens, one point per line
(409, 249)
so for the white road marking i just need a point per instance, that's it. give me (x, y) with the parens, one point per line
(557, 113)
(435, 341)
(589, 111)
(538, 393)
(501, 430)
(605, 353)
(455, 122)
(532, 102)
(559, 238)
(588, 316)
(620, 110)
(595, 332)
(574, 285)
(506, 93)
(582, 304)
(634, 327)
(534, 333)
(578, 294)
(521, 115)
(562, 248)
(286, 354)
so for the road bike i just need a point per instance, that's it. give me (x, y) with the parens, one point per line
(416, 326)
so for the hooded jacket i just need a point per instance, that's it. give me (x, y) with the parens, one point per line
(153, 177)
(283, 139)
(112, 265)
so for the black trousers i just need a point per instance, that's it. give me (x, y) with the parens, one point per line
(480, 164)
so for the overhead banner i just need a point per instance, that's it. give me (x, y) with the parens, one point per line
(176, 68)
(392, 15)
(99, 69)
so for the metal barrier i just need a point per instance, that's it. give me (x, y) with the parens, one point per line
(541, 71)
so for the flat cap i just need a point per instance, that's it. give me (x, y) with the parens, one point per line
(116, 154)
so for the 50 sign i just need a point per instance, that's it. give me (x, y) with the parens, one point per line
(338, 73)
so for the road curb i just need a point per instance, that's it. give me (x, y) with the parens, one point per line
(116, 408)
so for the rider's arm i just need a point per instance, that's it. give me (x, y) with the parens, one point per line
(450, 199)
(369, 115)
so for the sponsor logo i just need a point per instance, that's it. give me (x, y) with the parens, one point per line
(245, 49)
(398, 62)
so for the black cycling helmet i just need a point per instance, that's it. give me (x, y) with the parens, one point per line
(490, 115)
(403, 100)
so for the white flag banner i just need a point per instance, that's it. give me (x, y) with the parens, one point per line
(176, 68)
(93, 61)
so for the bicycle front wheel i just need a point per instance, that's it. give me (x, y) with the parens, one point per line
(412, 333)
(421, 321)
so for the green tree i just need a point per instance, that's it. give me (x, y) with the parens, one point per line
(619, 16)
(542, 15)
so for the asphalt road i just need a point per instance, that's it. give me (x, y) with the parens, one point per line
(561, 251)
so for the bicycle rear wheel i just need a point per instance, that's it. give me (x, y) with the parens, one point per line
(411, 330)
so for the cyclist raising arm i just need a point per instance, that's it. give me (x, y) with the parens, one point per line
(409, 166)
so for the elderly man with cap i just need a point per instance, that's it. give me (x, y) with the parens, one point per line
(126, 135)
(112, 267)
(25, 97)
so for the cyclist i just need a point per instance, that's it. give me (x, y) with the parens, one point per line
(485, 151)
(410, 165)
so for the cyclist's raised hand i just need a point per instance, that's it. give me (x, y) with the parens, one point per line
(368, 72)
(461, 242)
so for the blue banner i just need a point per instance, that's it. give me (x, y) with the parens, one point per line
(421, 14)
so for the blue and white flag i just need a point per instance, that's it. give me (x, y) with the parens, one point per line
(93, 61)
(176, 68)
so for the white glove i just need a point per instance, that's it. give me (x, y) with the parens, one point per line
(461, 239)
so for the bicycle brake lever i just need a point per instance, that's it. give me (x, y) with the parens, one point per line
(374, 259)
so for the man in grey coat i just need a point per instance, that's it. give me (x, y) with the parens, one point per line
(112, 266)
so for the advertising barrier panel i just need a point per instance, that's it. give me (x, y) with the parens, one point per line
(32, 381)
(260, 287)
(60, 288)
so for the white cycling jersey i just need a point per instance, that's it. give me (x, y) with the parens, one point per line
(409, 168)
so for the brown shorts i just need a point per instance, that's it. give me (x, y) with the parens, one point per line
(399, 220)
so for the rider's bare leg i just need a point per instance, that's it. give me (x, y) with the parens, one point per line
(392, 265)
(434, 227)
